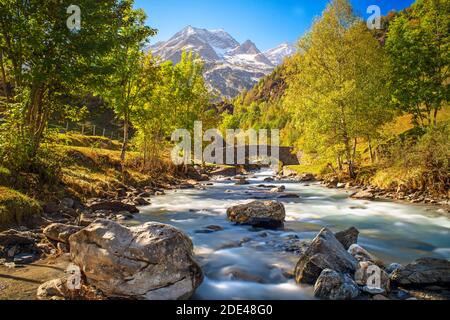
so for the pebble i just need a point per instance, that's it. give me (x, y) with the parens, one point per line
(392, 267)
(10, 265)
(402, 295)
(263, 235)
(373, 290)
(68, 202)
(289, 196)
(214, 228)
(24, 258)
(230, 245)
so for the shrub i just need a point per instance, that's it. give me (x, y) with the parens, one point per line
(418, 161)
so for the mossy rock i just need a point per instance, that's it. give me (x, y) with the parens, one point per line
(17, 209)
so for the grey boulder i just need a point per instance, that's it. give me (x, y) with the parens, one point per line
(113, 205)
(348, 237)
(423, 272)
(325, 252)
(60, 232)
(264, 214)
(332, 285)
(152, 261)
(372, 278)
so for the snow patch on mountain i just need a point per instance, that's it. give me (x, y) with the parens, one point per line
(277, 55)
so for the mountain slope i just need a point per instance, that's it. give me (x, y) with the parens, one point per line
(270, 89)
(230, 67)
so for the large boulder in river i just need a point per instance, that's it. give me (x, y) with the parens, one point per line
(423, 272)
(325, 252)
(264, 214)
(152, 261)
(332, 285)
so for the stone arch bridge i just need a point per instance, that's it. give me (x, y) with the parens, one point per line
(286, 155)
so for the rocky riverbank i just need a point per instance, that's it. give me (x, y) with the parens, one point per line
(24, 249)
(341, 273)
(156, 261)
(370, 192)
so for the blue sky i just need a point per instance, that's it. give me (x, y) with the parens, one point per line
(266, 22)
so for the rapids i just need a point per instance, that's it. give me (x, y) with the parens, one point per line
(240, 262)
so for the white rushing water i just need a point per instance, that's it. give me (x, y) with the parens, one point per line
(240, 262)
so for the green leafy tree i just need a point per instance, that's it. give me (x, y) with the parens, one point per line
(47, 60)
(190, 93)
(178, 97)
(126, 88)
(335, 92)
(419, 48)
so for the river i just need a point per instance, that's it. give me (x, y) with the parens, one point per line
(240, 262)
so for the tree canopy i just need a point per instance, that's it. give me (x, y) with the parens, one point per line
(419, 48)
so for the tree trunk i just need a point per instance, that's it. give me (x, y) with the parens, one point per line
(35, 120)
(348, 151)
(435, 116)
(429, 120)
(372, 160)
(125, 140)
(330, 166)
(5, 87)
(351, 169)
(145, 154)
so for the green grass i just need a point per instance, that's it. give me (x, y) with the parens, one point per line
(78, 140)
(395, 176)
(404, 123)
(83, 167)
(16, 208)
(93, 172)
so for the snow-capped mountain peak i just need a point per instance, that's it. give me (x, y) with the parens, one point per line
(230, 67)
(277, 55)
(248, 47)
